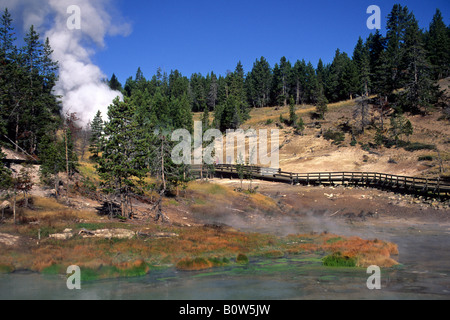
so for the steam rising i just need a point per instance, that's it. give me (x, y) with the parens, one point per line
(80, 81)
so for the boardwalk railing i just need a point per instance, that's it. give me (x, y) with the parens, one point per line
(404, 184)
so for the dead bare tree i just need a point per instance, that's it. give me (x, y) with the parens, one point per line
(361, 112)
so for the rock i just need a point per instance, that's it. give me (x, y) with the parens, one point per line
(164, 235)
(108, 233)
(5, 205)
(8, 239)
(61, 236)
(158, 234)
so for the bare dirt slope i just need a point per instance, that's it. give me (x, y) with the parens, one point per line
(312, 153)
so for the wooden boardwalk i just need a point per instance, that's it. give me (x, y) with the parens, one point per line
(435, 188)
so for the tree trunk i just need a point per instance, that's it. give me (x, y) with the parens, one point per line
(122, 206)
(17, 133)
(14, 205)
(67, 165)
(162, 165)
(25, 196)
(130, 214)
(56, 186)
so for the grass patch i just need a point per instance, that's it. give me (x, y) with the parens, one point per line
(273, 254)
(190, 264)
(338, 260)
(6, 268)
(90, 226)
(334, 240)
(54, 269)
(263, 202)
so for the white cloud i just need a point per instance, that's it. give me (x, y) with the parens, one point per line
(80, 80)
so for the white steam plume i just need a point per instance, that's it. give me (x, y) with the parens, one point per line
(80, 81)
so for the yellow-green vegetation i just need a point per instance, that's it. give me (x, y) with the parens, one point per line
(194, 248)
(88, 171)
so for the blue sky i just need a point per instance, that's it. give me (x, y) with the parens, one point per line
(203, 36)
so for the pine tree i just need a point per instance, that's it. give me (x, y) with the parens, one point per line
(228, 114)
(400, 126)
(321, 73)
(343, 81)
(169, 176)
(49, 67)
(53, 158)
(350, 79)
(124, 154)
(392, 67)
(259, 83)
(300, 126)
(212, 93)
(95, 142)
(180, 113)
(178, 84)
(24, 183)
(7, 47)
(32, 52)
(139, 76)
(198, 92)
(322, 103)
(361, 59)
(238, 91)
(421, 92)
(114, 83)
(438, 46)
(205, 119)
(299, 81)
(129, 87)
(311, 85)
(376, 46)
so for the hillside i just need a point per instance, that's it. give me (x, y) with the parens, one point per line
(311, 152)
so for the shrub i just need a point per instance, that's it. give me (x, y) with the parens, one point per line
(242, 259)
(336, 136)
(415, 146)
(425, 158)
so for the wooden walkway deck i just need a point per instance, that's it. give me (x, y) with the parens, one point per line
(435, 188)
